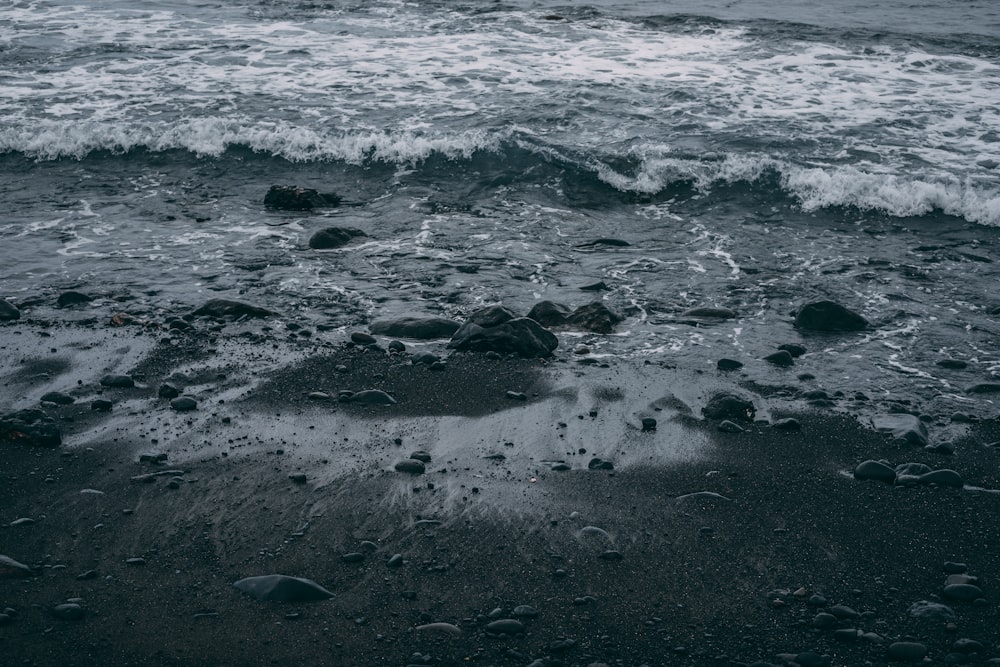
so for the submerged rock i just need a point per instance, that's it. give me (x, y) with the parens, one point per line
(282, 588)
(594, 316)
(418, 327)
(230, 309)
(333, 237)
(31, 427)
(8, 311)
(71, 298)
(549, 313)
(710, 313)
(829, 316)
(522, 336)
(292, 198)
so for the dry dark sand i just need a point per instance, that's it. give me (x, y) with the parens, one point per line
(702, 579)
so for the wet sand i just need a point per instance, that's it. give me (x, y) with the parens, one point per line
(697, 547)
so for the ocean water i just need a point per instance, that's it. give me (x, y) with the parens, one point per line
(754, 155)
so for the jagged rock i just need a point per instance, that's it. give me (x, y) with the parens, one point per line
(334, 237)
(32, 427)
(72, 298)
(549, 313)
(282, 588)
(418, 327)
(594, 316)
(230, 309)
(11, 569)
(729, 365)
(491, 316)
(782, 358)
(8, 311)
(902, 427)
(829, 316)
(292, 198)
(728, 406)
(521, 336)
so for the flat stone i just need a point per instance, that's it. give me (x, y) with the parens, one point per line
(353, 557)
(444, 628)
(952, 567)
(411, 466)
(73, 298)
(728, 365)
(69, 611)
(417, 327)
(782, 358)
(962, 592)
(505, 626)
(282, 588)
(396, 560)
(931, 611)
(906, 651)
(787, 424)
(875, 470)
(57, 397)
(907, 428)
(524, 611)
(168, 390)
(421, 455)
(984, 388)
(793, 349)
(184, 404)
(294, 198)
(953, 364)
(362, 338)
(101, 405)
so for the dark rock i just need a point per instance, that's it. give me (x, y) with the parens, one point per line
(516, 395)
(12, 569)
(875, 470)
(334, 237)
(727, 426)
(729, 365)
(968, 646)
(549, 313)
(829, 316)
(282, 588)
(353, 557)
(32, 427)
(411, 466)
(184, 404)
(69, 611)
(728, 406)
(648, 424)
(906, 651)
(491, 316)
(396, 560)
(811, 659)
(168, 391)
(101, 405)
(787, 424)
(907, 428)
(421, 455)
(594, 316)
(613, 243)
(292, 198)
(86, 576)
(418, 327)
(611, 555)
(984, 388)
(943, 477)
(524, 611)
(505, 626)
(230, 309)
(707, 312)
(396, 346)
(599, 286)
(71, 298)
(793, 349)
(600, 464)
(8, 311)
(298, 477)
(372, 397)
(953, 364)
(962, 592)
(931, 611)
(361, 338)
(522, 336)
(427, 358)
(118, 381)
(57, 397)
(955, 568)
(824, 621)
(781, 358)
(844, 612)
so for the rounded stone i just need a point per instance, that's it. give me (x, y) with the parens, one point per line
(411, 466)
(184, 404)
(505, 626)
(962, 592)
(906, 651)
(875, 470)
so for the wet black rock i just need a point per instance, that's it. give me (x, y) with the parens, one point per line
(57, 397)
(729, 365)
(727, 426)
(906, 651)
(31, 427)
(71, 298)
(282, 588)
(421, 455)
(875, 470)
(419, 327)
(952, 567)
(907, 428)
(728, 406)
(411, 466)
(824, 621)
(597, 463)
(549, 313)
(184, 404)
(943, 477)
(334, 237)
(12, 569)
(599, 286)
(491, 316)
(361, 338)
(829, 316)
(101, 405)
(709, 313)
(786, 424)
(505, 626)
(781, 358)
(292, 198)
(522, 336)
(594, 316)
(118, 381)
(953, 364)
(603, 242)
(962, 592)
(648, 424)
(298, 477)
(69, 611)
(396, 560)
(984, 388)
(353, 557)
(931, 611)
(8, 311)
(793, 349)
(230, 309)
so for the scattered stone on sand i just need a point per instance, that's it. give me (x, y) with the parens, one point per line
(787, 424)
(829, 316)
(906, 651)
(230, 309)
(728, 365)
(522, 336)
(118, 381)
(362, 338)
(598, 463)
(875, 470)
(727, 426)
(23, 521)
(594, 316)
(611, 554)
(298, 477)
(505, 626)
(729, 406)
(136, 561)
(549, 313)
(8, 311)
(293, 198)
(905, 427)
(396, 560)
(150, 477)
(184, 404)
(951, 567)
(68, 611)
(372, 397)
(524, 611)
(101, 405)
(444, 628)
(334, 237)
(421, 455)
(57, 397)
(353, 557)
(491, 316)
(516, 395)
(931, 611)
(781, 358)
(12, 569)
(73, 298)
(282, 588)
(418, 327)
(31, 427)
(411, 466)
(168, 390)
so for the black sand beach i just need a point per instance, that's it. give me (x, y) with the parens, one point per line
(549, 527)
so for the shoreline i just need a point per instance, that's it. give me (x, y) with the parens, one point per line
(696, 547)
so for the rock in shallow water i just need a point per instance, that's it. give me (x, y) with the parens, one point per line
(229, 309)
(417, 327)
(334, 237)
(904, 427)
(282, 588)
(184, 404)
(829, 316)
(728, 406)
(372, 397)
(293, 198)
(31, 427)
(522, 336)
